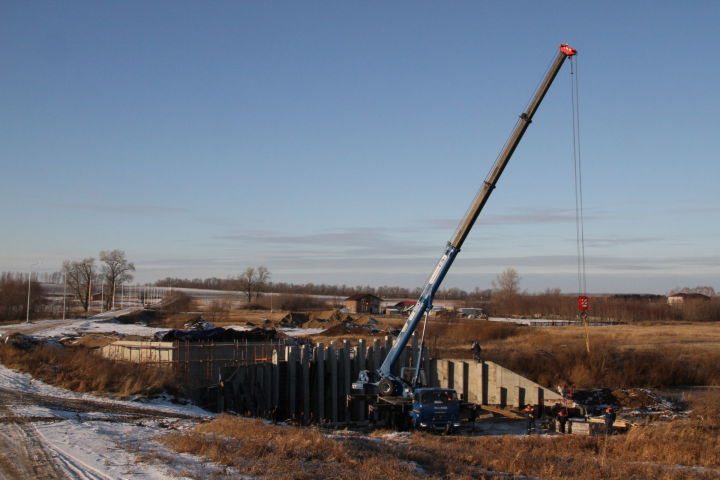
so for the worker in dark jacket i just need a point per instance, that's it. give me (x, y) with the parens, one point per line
(529, 412)
(475, 349)
(562, 420)
(609, 420)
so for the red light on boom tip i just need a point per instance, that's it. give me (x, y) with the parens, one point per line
(567, 50)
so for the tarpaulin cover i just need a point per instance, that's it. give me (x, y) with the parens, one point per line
(217, 334)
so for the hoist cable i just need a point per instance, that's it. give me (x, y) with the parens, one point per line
(577, 164)
(579, 220)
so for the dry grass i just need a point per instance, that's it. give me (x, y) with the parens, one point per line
(619, 308)
(275, 452)
(621, 356)
(81, 370)
(464, 331)
(686, 449)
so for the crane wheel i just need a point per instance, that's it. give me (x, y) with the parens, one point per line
(386, 387)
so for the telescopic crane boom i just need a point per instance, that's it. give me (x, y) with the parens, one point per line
(390, 384)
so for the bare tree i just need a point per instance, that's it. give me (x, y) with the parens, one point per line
(79, 277)
(115, 271)
(707, 291)
(252, 280)
(219, 311)
(507, 283)
(263, 276)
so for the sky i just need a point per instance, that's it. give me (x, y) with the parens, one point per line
(341, 142)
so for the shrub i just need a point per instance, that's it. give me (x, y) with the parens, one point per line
(177, 302)
(702, 311)
(295, 303)
(82, 370)
(608, 365)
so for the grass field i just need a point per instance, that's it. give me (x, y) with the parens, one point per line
(684, 449)
(637, 355)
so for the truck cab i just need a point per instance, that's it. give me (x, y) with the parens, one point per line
(435, 409)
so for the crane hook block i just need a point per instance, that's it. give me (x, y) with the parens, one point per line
(583, 303)
(567, 50)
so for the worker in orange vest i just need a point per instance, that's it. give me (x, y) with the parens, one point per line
(562, 420)
(609, 420)
(529, 412)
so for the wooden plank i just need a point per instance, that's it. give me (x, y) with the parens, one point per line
(616, 424)
(503, 412)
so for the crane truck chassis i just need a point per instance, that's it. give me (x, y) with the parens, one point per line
(401, 401)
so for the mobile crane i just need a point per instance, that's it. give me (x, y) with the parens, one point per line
(400, 399)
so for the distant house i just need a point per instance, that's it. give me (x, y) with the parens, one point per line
(400, 307)
(363, 303)
(683, 298)
(471, 312)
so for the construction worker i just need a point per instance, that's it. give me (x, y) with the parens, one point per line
(529, 412)
(562, 420)
(609, 420)
(475, 349)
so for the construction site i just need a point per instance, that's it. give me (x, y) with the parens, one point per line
(262, 383)
(307, 377)
(394, 379)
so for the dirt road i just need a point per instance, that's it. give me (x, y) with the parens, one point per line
(25, 455)
(22, 453)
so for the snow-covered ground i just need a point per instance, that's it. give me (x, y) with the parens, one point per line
(110, 444)
(289, 331)
(102, 323)
(104, 326)
(105, 323)
(542, 322)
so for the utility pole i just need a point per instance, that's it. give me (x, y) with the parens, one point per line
(64, 292)
(27, 312)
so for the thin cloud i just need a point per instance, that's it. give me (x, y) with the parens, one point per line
(143, 210)
(354, 241)
(617, 241)
(519, 217)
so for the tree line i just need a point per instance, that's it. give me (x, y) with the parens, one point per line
(256, 280)
(14, 300)
(83, 278)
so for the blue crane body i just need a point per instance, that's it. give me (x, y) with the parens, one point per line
(431, 407)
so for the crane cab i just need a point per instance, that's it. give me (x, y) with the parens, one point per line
(435, 409)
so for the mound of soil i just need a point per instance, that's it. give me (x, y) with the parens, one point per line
(92, 341)
(327, 319)
(646, 400)
(146, 317)
(294, 319)
(352, 328)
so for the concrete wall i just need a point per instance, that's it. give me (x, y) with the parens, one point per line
(487, 383)
(201, 361)
(139, 352)
(312, 384)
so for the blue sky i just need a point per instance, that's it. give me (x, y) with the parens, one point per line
(341, 142)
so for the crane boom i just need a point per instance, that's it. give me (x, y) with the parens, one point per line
(388, 382)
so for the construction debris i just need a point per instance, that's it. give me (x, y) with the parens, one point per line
(217, 334)
(199, 323)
